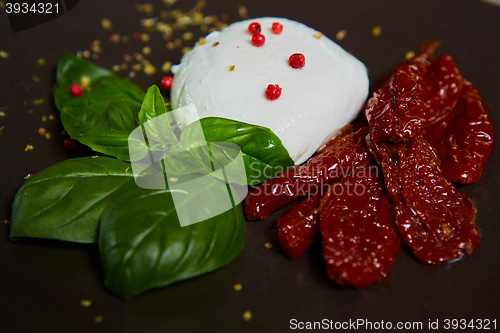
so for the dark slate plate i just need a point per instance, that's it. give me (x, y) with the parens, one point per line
(42, 282)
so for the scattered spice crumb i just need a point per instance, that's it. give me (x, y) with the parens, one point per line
(39, 101)
(2, 114)
(4, 54)
(126, 170)
(446, 229)
(341, 34)
(106, 24)
(145, 37)
(132, 74)
(42, 131)
(137, 67)
(318, 35)
(5, 221)
(85, 82)
(166, 66)
(44, 119)
(125, 39)
(95, 46)
(138, 56)
(1, 129)
(237, 286)
(170, 46)
(178, 42)
(115, 38)
(124, 67)
(95, 56)
(409, 55)
(127, 58)
(187, 36)
(30, 111)
(146, 50)
(86, 302)
(149, 69)
(173, 179)
(25, 103)
(95, 156)
(28, 176)
(215, 44)
(41, 61)
(48, 136)
(268, 245)
(247, 315)
(242, 12)
(29, 148)
(86, 54)
(98, 319)
(201, 41)
(36, 79)
(377, 30)
(231, 68)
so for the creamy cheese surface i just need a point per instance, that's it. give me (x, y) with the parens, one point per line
(316, 101)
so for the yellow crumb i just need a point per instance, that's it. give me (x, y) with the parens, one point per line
(166, 66)
(106, 24)
(341, 34)
(86, 302)
(377, 30)
(247, 315)
(242, 11)
(409, 55)
(237, 286)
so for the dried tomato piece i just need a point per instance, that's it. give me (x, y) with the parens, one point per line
(464, 139)
(433, 218)
(360, 240)
(298, 228)
(418, 93)
(322, 169)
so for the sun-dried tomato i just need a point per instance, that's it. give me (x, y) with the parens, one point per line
(360, 240)
(298, 228)
(417, 94)
(433, 218)
(464, 139)
(322, 169)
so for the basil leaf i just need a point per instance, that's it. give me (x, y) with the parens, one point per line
(105, 114)
(143, 246)
(155, 121)
(65, 201)
(263, 153)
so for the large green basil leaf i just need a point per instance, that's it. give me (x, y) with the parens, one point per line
(263, 153)
(143, 246)
(105, 114)
(65, 201)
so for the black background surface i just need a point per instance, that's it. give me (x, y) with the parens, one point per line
(42, 282)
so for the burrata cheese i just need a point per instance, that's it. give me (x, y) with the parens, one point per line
(225, 75)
